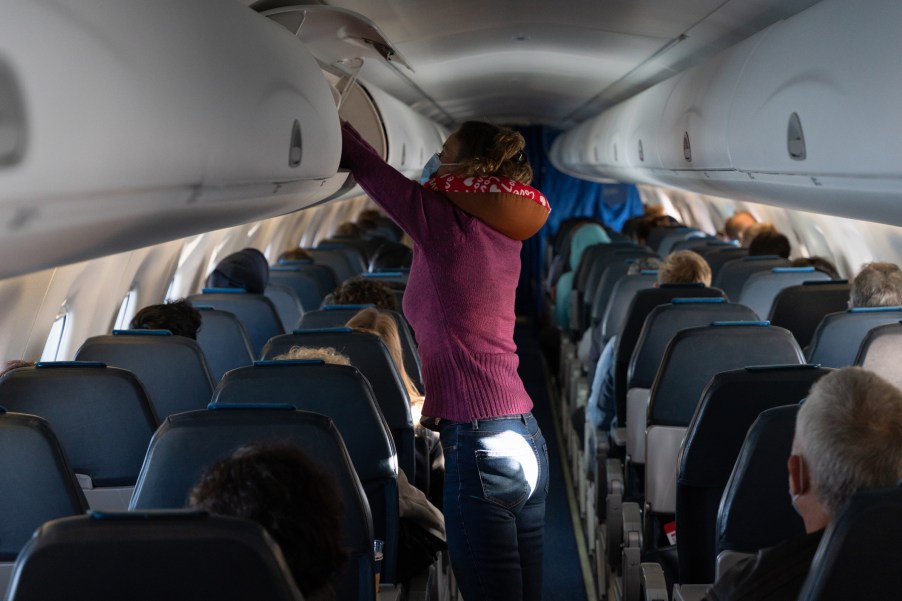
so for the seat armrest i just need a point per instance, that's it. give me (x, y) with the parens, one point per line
(689, 592)
(632, 549)
(390, 592)
(654, 585)
(618, 436)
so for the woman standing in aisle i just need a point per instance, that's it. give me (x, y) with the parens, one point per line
(467, 222)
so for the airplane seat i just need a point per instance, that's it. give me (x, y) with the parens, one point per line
(306, 288)
(144, 556)
(341, 393)
(642, 304)
(718, 257)
(255, 311)
(835, 342)
(322, 275)
(362, 248)
(734, 274)
(287, 303)
(880, 352)
(730, 404)
(692, 359)
(336, 316)
(668, 235)
(755, 510)
(609, 315)
(670, 239)
(172, 369)
(395, 278)
(337, 256)
(368, 354)
(855, 556)
(801, 308)
(700, 245)
(32, 491)
(761, 288)
(600, 271)
(101, 416)
(186, 444)
(224, 341)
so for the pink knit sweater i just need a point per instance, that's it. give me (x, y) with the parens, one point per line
(460, 295)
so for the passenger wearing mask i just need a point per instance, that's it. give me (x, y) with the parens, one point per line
(467, 223)
(847, 440)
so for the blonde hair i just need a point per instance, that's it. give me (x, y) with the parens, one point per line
(487, 149)
(383, 325)
(323, 353)
(684, 267)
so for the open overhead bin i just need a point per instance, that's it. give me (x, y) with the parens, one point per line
(132, 123)
(343, 42)
(800, 115)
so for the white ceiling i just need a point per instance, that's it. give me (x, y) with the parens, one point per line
(549, 62)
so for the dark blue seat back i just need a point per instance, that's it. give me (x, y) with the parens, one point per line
(179, 556)
(101, 415)
(602, 274)
(336, 316)
(224, 341)
(336, 257)
(762, 287)
(323, 275)
(837, 338)
(665, 321)
(702, 245)
(186, 444)
(668, 243)
(881, 352)
(172, 369)
(801, 308)
(733, 275)
(642, 304)
(343, 394)
(755, 511)
(256, 312)
(658, 235)
(611, 313)
(368, 354)
(695, 355)
(729, 406)
(856, 557)
(35, 490)
(718, 257)
(287, 304)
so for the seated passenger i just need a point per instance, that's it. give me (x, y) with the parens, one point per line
(278, 487)
(364, 291)
(736, 223)
(14, 364)
(295, 254)
(326, 354)
(430, 461)
(680, 267)
(179, 317)
(846, 441)
(769, 242)
(391, 255)
(348, 230)
(245, 269)
(819, 264)
(877, 285)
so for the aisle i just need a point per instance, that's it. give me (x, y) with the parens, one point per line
(563, 576)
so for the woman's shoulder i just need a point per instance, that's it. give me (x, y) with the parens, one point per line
(515, 209)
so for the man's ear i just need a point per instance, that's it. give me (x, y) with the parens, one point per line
(798, 475)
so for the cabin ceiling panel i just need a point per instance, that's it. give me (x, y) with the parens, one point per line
(587, 54)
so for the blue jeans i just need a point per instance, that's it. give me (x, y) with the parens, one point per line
(496, 482)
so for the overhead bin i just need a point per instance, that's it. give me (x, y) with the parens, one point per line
(800, 115)
(343, 42)
(142, 122)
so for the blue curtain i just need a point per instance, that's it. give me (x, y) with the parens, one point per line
(569, 197)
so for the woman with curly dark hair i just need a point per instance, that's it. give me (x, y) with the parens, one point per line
(277, 486)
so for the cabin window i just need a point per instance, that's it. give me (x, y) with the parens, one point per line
(127, 310)
(54, 342)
